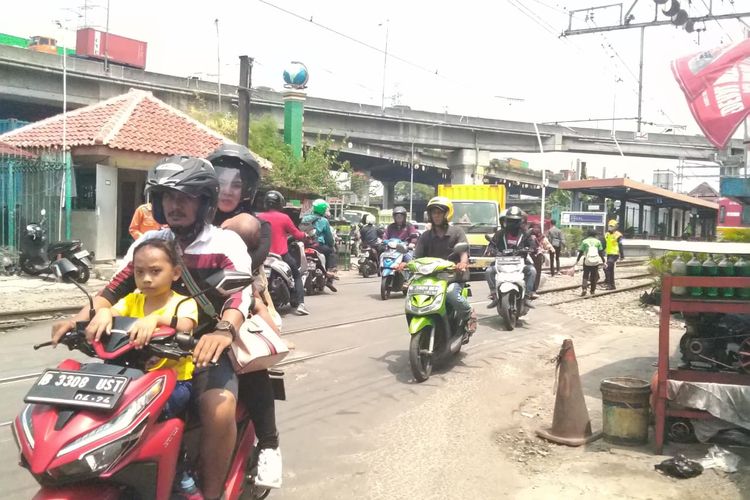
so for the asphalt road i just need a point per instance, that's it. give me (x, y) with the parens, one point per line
(333, 400)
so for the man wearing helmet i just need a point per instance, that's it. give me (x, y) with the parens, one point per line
(399, 228)
(613, 249)
(324, 241)
(184, 191)
(281, 228)
(511, 236)
(369, 233)
(438, 241)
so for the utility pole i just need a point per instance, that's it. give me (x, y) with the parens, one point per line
(218, 63)
(385, 64)
(244, 88)
(106, 43)
(677, 17)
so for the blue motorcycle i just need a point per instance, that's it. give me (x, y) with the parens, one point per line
(392, 280)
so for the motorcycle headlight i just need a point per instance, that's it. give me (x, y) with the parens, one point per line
(426, 269)
(101, 458)
(27, 425)
(121, 421)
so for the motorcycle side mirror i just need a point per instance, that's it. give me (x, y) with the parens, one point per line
(67, 271)
(488, 237)
(229, 282)
(63, 268)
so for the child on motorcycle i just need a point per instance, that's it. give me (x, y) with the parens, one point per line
(156, 267)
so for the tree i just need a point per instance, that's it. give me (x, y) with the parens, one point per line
(309, 174)
(402, 191)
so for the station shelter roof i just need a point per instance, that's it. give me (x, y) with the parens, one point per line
(628, 190)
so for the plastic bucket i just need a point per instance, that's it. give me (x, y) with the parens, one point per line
(625, 410)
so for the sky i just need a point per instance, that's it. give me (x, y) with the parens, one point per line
(501, 59)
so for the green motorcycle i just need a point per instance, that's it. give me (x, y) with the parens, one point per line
(436, 333)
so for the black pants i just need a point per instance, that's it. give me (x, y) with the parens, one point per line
(554, 257)
(298, 294)
(256, 391)
(538, 263)
(609, 273)
(330, 254)
(590, 277)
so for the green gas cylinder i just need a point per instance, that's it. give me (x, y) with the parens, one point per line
(694, 268)
(726, 268)
(710, 269)
(742, 269)
(678, 268)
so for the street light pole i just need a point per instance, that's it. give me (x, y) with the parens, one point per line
(544, 175)
(385, 64)
(218, 62)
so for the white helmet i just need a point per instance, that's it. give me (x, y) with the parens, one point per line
(370, 219)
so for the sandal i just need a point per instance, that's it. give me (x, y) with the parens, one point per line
(471, 325)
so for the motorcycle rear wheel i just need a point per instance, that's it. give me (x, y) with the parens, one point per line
(510, 317)
(83, 273)
(421, 362)
(385, 288)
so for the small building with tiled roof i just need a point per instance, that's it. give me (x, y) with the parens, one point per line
(112, 145)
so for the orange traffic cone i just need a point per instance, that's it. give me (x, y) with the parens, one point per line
(570, 423)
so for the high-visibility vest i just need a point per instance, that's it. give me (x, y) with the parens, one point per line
(613, 248)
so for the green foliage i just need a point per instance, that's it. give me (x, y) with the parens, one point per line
(421, 191)
(309, 174)
(560, 198)
(734, 234)
(573, 239)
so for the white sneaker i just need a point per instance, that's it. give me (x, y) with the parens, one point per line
(302, 310)
(269, 468)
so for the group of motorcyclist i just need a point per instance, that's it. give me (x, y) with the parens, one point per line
(204, 206)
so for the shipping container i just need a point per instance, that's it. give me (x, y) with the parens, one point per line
(95, 44)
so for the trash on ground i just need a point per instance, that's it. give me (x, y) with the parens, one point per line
(720, 458)
(680, 467)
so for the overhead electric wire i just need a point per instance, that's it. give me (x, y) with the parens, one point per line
(434, 72)
(711, 14)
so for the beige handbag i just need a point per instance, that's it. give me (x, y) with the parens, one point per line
(257, 347)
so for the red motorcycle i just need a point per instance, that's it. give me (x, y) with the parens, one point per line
(98, 430)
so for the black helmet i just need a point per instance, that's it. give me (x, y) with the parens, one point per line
(275, 200)
(514, 213)
(192, 176)
(239, 157)
(399, 210)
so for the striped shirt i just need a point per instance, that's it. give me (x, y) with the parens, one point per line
(214, 249)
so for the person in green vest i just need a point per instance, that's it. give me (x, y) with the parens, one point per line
(592, 252)
(614, 251)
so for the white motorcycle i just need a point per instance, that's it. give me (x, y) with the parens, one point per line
(510, 287)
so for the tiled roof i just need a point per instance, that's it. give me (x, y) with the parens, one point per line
(8, 150)
(135, 121)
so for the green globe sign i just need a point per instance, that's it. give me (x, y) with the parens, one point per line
(296, 75)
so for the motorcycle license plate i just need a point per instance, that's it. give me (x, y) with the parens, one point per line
(508, 260)
(81, 254)
(81, 389)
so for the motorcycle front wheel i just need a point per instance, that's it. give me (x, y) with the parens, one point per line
(507, 311)
(385, 288)
(27, 266)
(420, 358)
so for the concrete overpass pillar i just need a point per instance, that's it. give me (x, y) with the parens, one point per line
(467, 166)
(389, 194)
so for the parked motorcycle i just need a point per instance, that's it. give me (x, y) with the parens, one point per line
(367, 262)
(98, 430)
(7, 266)
(37, 256)
(279, 274)
(316, 278)
(510, 287)
(434, 328)
(392, 280)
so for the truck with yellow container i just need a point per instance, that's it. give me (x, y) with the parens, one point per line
(476, 209)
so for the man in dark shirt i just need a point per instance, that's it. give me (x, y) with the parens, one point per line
(512, 236)
(438, 241)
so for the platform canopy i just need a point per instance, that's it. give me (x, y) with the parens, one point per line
(628, 190)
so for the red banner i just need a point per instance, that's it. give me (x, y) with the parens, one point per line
(716, 84)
